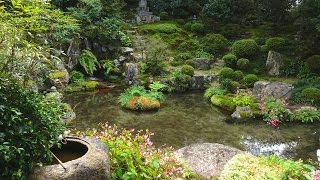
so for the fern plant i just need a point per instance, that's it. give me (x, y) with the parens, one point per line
(89, 62)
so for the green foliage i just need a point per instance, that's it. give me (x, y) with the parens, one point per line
(246, 166)
(157, 86)
(244, 100)
(313, 64)
(231, 30)
(245, 48)
(305, 116)
(156, 54)
(243, 64)
(273, 111)
(57, 75)
(139, 91)
(197, 27)
(88, 61)
(89, 85)
(311, 94)
(231, 86)
(223, 101)
(29, 125)
(230, 60)
(214, 43)
(133, 155)
(125, 39)
(276, 44)
(182, 81)
(76, 77)
(213, 91)
(164, 15)
(226, 73)
(250, 79)
(108, 67)
(238, 75)
(166, 28)
(184, 56)
(188, 70)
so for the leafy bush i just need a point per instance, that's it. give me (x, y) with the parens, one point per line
(182, 81)
(311, 94)
(230, 60)
(273, 111)
(275, 44)
(166, 28)
(223, 101)
(125, 39)
(247, 166)
(243, 63)
(245, 48)
(184, 56)
(305, 116)
(76, 77)
(197, 27)
(214, 43)
(164, 15)
(238, 75)
(313, 64)
(250, 79)
(213, 91)
(157, 86)
(230, 85)
(29, 125)
(138, 98)
(226, 73)
(181, 21)
(244, 100)
(188, 70)
(88, 61)
(133, 155)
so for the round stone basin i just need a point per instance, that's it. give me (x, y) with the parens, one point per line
(72, 150)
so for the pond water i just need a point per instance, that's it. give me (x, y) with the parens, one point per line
(188, 118)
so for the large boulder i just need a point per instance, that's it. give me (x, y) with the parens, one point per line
(131, 73)
(94, 164)
(277, 90)
(206, 159)
(275, 63)
(199, 81)
(202, 63)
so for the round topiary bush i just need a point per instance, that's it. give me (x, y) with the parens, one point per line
(230, 60)
(214, 43)
(238, 76)
(230, 85)
(197, 27)
(311, 94)
(29, 125)
(250, 79)
(275, 43)
(245, 48)
(188, 70)
(313, 64)
(164, 15)
(226, 73)
(243, 63)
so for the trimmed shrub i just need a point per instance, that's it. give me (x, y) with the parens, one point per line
(311, 94)
(243, 64)
(230, 60)
(313, 64)
(226, 73)
(197, 27)
(29, 126)
(182, 81)
(231, 86)
(245, 48)
(238, 75)
(214, 43)
(275, 43)
(250, 79)
(166, 28)
(188, 70)
(164, 15)
(76, 77)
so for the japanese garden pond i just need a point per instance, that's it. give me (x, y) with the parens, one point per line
(184, 119)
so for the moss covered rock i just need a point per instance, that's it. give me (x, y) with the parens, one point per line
(142, 103)
(223, 101)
